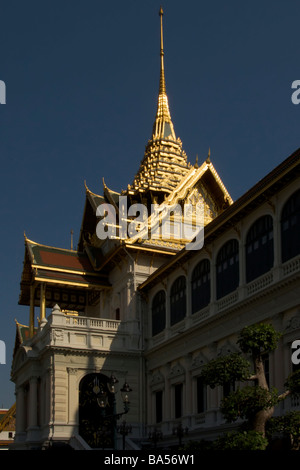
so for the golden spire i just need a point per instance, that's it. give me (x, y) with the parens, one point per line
(165, 162)
(163, 126)
(162, 81)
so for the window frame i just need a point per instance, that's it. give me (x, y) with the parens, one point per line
(259, 247)
(178, 308)
(158, 312)
(289, 227)
(227, 268)
(200, 285)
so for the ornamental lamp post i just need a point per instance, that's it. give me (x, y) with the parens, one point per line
(124, 429)
(155, 436)
(180, 431)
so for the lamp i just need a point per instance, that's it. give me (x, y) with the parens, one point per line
(102, 395)
(125, 390)
(113, 381)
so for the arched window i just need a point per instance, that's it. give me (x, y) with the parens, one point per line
(201, 285)
(158, 312)
(178, 300)
(259, 248)
(227, 268)
(290, 227)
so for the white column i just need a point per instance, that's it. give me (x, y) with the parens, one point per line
(242, 263)
(33, 402)
(213, 283)
(48, 397)
(20, 411)
(277, 245)
(73, 397)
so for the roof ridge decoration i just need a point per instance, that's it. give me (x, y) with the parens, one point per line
(164, 161)
(30, 242)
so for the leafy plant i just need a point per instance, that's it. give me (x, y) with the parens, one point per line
(254, 403)
(246, 440)
(287, 426)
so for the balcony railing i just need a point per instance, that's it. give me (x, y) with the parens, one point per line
(63, 330)
(97, 323)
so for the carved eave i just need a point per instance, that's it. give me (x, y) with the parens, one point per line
(209, 177)
(89, 221)
(111, 196)
(22, 334)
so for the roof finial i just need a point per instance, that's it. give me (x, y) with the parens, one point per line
(208, 156)
(162, 83)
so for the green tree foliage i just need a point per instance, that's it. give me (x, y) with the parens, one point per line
(258, 339)
(288, 426)
(246, 402)
(293, 383)
(254, 402)
(246, 440)
(226, 370)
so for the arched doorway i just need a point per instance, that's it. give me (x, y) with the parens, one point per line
(96, 425)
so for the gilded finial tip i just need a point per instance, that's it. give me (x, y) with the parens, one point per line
(161, 11)
(208, 156)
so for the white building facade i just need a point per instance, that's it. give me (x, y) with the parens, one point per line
(246, 273)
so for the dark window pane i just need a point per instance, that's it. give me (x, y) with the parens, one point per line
(178, 300)
(201, 395)
(259, 248)
(290, 227)
(117, 314)
(158, 406)
(201, 285)
(227, 268)
(158, 313)
(178, 400)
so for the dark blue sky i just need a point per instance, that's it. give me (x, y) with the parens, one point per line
(82, 83)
